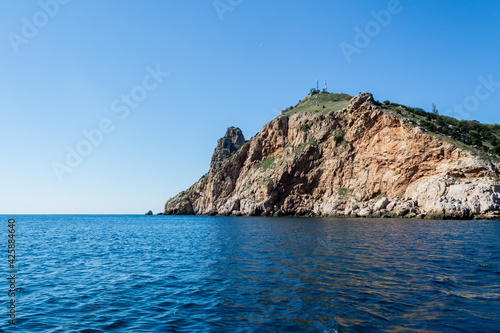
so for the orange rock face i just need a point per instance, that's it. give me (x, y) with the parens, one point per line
(359, 161)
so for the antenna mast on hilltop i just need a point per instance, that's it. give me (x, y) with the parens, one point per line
(326, 90)
(317, 84)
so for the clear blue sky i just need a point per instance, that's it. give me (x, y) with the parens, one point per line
(70, 74)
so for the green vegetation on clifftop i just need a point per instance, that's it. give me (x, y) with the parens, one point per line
(320, 103)
(467, 134)
(481, 139)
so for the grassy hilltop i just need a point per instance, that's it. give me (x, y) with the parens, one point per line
(320, 103)
(471, 135)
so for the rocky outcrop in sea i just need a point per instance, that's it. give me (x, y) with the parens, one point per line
(360, 161)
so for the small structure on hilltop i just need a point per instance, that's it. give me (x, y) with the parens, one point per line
(316, 90)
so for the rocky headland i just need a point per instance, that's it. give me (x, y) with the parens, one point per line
(366, 159)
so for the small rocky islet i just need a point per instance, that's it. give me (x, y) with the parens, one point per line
(337, 155)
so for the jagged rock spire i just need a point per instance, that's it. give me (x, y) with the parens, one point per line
(228, 144)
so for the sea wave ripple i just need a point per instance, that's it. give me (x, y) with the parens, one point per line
(252, 274)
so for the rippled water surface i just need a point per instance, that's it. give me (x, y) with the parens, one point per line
(243, 274)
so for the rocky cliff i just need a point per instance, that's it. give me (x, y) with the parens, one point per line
(358, 161)
(228, 144)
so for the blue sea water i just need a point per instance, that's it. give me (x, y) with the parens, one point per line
(81, 273)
